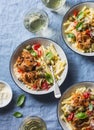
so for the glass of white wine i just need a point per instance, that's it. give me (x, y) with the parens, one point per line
(55, 5)
(36, 21)
(33, 123)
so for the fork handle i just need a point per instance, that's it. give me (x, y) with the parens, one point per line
(57, 92)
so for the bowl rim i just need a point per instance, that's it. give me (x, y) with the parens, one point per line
(22, 43)
(68, 88)
(8, 86)
(67, 44)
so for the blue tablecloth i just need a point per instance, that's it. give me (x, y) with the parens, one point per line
(12, 33)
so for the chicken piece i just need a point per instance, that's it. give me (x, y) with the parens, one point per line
(39, 83)
(27, 66)
(26, 62)
(28, 77)
(19, 61)
(31, 76)
(83, 41)
(79, 100)
(79, 124)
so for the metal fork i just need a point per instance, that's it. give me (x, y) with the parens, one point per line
(57, 92)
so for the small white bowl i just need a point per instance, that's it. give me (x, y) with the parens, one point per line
(6, 97)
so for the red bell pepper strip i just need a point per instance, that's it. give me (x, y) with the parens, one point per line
(86, 95)
(36, 46)
(34, 86)
(75, 13)
(38, 64)
(88, 128)
(70, 117)
(45, 85)
(89, 113)
(39, 53)
(88, 32)
(75, 23)
(20, 71)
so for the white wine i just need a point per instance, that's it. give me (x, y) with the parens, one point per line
(53, 4)
(33, 123)
(36, 21)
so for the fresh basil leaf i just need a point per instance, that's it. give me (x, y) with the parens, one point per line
(81, 115)
(80, 15)
(21, 100)
(33, 53)
(71, 35)
(49, 78)
(90, 107)
(49, 55)
(17, 114)
(79, 26)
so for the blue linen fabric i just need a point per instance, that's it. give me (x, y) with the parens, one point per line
(12, 33)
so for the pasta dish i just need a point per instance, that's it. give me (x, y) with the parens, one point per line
(79, 30)
(32, 67)
(78, 109)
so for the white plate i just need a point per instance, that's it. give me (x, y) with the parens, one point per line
(45, 42)
(65, 18)
(67, 94)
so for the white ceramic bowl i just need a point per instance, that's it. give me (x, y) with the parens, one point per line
(69, 13)
(67, 94)
(8, 91)
(45, 42)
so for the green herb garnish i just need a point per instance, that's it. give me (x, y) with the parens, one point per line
(79, 26)
(71, 35)
(90, 107)
(49, 78)
(49, 55)
(33, 53)
(17, 114)
(80, 15)
(21, 100)
(81, 115)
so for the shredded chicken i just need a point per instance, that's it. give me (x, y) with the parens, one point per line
(31, 74)
(26, 62)
(83, 40)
